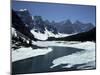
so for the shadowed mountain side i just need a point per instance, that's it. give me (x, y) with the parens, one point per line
(85, 36)
(26, 17)
(20, 26)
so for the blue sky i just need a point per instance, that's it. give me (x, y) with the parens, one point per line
(58, 12)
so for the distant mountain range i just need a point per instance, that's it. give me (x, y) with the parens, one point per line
(65, 26)
(23, 22)
(68, 27)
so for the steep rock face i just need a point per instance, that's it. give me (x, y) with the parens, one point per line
(26, 18)
(18, 24)
(19, 40)
(50, 27)
(41, 25)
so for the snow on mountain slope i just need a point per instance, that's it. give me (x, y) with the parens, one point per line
(13, 32)
(46, 34)
(39, 35)
(83, 57)
(59, 35)
(24, 53)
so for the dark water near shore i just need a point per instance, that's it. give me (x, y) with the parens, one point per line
(42, 63)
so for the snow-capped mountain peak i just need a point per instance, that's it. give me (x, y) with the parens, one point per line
(23, 10)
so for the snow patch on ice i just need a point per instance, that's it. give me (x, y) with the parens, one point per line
(84, 45)
(68, 66)
(89, 65)
(75, 44)
(77, 58)
(24, 53)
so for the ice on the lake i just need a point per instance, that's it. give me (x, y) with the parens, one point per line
(24, 53)
(88, 55)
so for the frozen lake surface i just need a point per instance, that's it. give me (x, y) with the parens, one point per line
(56, 56)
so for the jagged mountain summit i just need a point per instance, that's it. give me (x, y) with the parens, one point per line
(35, 22)
(68, 27)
